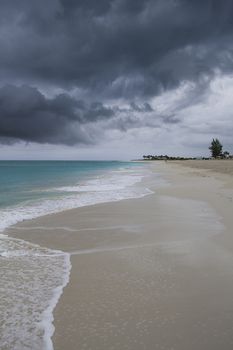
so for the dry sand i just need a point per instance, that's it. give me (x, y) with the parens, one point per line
(149, 273)
(223, 166)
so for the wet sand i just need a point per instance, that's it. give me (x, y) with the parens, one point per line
(148, 273)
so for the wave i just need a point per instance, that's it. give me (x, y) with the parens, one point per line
(34, 277)
(107, 188)
(32, 280)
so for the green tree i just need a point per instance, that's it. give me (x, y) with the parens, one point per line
(226, 154)
(215, 148)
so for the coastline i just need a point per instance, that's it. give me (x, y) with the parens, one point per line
(153, 272)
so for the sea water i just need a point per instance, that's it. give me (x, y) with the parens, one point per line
(32, 277)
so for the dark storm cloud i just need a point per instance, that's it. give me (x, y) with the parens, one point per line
(114, 49)
(26, 114)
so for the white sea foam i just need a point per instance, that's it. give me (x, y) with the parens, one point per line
(111, 183)
(47, 316)
(113, 187)
(32, 280)
(32, 277)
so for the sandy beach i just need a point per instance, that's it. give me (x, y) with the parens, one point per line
(148, 273)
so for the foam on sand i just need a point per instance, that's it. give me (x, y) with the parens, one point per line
(32, 280)
(32, 277)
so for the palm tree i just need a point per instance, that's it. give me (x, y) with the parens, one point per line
(216, 148)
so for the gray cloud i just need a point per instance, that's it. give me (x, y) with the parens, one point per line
(26, 114)
(115, 47)
(109, 51)
(145, 107)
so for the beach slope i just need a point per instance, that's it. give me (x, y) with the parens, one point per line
(148, 273)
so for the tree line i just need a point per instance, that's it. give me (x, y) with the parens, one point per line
(215, 148)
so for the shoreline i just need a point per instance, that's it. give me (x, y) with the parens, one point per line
(125, 248)
(17, 245)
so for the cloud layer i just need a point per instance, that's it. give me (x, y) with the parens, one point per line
(26, 114)
(73, 69)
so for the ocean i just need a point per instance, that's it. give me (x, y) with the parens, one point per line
(33, 277)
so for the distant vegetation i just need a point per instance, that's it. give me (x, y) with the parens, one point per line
(215, 148)
(161, 157)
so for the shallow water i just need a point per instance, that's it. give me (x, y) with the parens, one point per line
(33, 189)
(32, 278)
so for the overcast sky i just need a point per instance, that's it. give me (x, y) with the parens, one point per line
(88, 79)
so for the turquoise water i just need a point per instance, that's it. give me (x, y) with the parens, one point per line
(37, 275)
(29, 189)
(22, 181)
